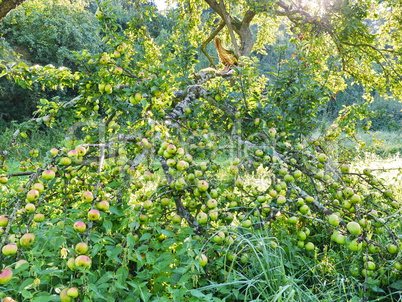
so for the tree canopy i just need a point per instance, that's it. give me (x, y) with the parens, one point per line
(171, 180)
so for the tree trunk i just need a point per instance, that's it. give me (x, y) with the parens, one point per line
(8, 5)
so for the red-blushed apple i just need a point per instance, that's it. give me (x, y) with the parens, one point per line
(182, 165)
(39, 217)
(118, 70)
(93, 215)
(27, 240)
(5, 276)
(73, 154)
(87, 196)
(38, 186)
(65, 161)
(202, 260)
(3, 220)
(9, 249)
(171, 149)
(82, 261)
(81, 150)
(54, 151)
(143, 218)
(8, 299)
(79, 226)
(33, 195)
(64, 297)
(73, 292)
(48, 175)
(30, 208)
(103, 205)
(147, 204)
(188, 158)
(171, 162)
(81, 248)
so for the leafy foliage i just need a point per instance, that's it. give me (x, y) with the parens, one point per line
(205, 187)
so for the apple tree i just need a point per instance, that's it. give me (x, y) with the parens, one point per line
(167, 174)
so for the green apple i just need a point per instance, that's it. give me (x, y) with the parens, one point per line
(213, 215)
(398, 265)
(9, 249)
(71, 263)
(212, 203)
(370, 265)
(27, 240)
(281, 199)
(176, 219)
(340, 239)
(392, 248)
(354, 228)
(202, 185)
(302, 235)
(246, 223)
(309, 246)
(202, 218)
(39, 217)
(54, 151)
(102, 205)
(81, 248)
(219, 237)
(73, 292)
(30, 208)
(293, 220)
(3, 220)
(33, 195)
(304, 209)
(259, 153)
(355, 198)
(65, 161)
(333, 220)
(64, 297)
(354, 245)
(322, 158)
(348, 192)
(344, 168)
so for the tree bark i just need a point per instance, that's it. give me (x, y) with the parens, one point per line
(8, 5)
